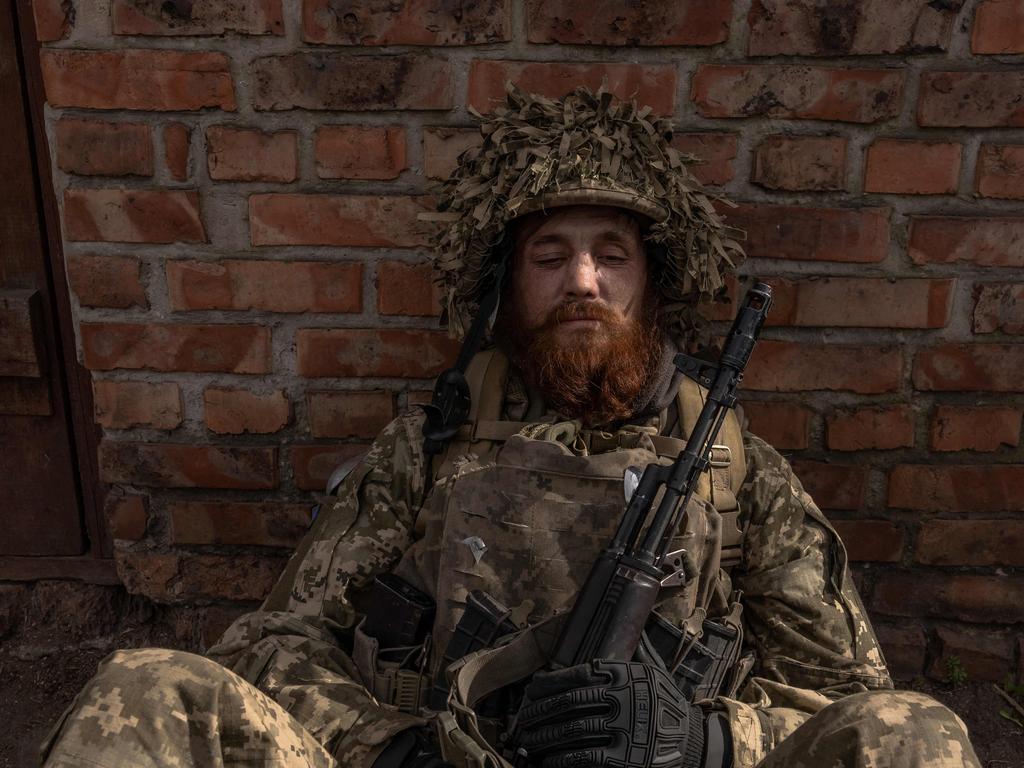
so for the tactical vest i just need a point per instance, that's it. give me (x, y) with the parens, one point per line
(521, 511)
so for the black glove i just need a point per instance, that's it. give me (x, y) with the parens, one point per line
(609, 713)
(412, 748)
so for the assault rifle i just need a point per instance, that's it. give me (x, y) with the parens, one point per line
(617, 600)
(619, 595)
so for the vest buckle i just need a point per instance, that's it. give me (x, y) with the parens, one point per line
(721, 456)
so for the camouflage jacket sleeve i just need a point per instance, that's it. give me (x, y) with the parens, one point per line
(295, 647)
(803, 619)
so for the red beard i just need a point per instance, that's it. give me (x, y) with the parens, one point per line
(596, 375)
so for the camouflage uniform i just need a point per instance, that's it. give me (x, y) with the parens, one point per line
(293, 695)
(287, 691)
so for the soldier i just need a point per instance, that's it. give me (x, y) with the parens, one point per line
(604, 252)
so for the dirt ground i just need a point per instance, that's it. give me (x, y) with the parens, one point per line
(34, 692)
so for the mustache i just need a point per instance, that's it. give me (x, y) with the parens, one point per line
(580, 310)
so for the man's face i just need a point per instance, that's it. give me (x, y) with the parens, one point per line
(580, 319)
(586, 261)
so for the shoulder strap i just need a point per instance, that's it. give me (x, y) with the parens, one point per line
(728, 467)
(486, 378)
(485, 375)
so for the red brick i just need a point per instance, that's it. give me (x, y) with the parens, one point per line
(210, 17)
(812, 234)
(905, 167)
(228, 577)
(126, 516)
(133, 216)
(971, 542)
(429, 22)
(419, 397)
(861, 302)
(797, 163)
(340, 352)
(715, 153)
(1000, 171)
(983, 654)
(167, 347)
(99, 148)
(177, 140)
(266, 524)
(236, 411)
(106, 281)
(999, 307)
(998, 27)
(873, 541)
(607, 22)
(975, 428)
(127, 404)
(54, 19)
(177, 578)
(832, 486)
(807, 28)
(349, 414)
(951, 596)
(904, 649)
(359, 151)
(347, 220)
(172, 465)
(971, 99)
(970, 367)
(352, 83)
(651, 85)
(788, 366)
(242, 154)
(442, 146)
(312, 465)
(144, 572)
(783, 425)
(407, 289)
(273, 286)
(868, 429)
(800, 92)
(929, 488)
(135, 79)
(987, 242)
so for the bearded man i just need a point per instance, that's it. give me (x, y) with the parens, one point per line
(577, 256)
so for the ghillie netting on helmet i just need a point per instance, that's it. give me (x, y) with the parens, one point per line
(588, 148)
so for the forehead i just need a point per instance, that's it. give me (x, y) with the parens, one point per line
(589, 220)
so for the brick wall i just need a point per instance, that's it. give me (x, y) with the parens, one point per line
(240, 182)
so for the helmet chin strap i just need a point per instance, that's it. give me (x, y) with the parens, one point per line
(449, 409)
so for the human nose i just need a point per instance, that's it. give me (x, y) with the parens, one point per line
(581, 277)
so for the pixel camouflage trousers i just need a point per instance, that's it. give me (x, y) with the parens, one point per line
(153, 707)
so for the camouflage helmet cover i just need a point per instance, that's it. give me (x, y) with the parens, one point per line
(587, 148)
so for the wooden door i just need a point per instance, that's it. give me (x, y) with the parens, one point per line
(42, 502)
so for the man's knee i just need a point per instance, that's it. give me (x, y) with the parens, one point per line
(144, 697)
(904, 710)
(155, 663)
(903, 722)
(157, 671)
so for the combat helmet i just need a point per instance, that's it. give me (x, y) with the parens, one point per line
(586, 148)
(538, 154)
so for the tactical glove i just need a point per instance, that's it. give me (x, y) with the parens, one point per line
(412, 748)
(609, 713)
